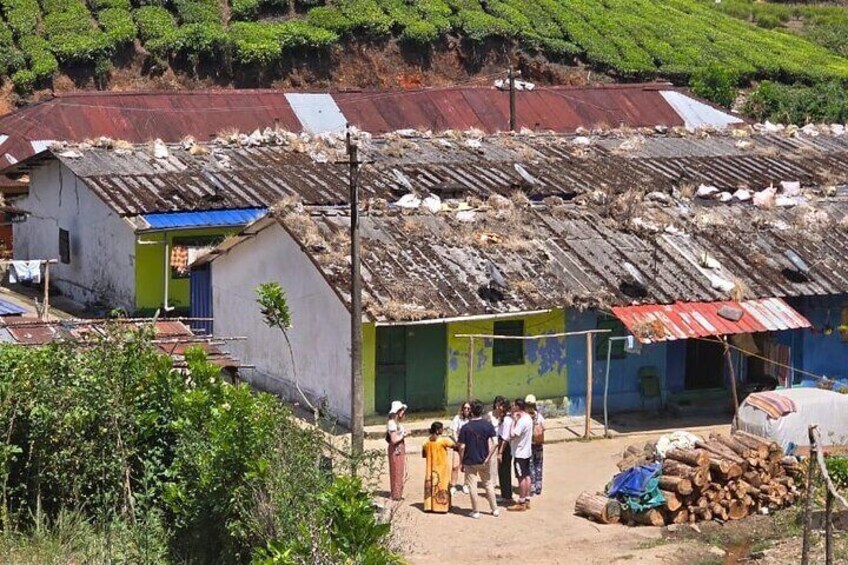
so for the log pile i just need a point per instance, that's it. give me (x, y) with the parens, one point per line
(721, 478)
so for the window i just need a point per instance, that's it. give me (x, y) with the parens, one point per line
(508, 351)
(64, 246)
(607, 322)
(184, 251)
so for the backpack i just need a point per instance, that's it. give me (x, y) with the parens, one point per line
(538, 432)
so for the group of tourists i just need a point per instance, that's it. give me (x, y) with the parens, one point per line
(508, 440)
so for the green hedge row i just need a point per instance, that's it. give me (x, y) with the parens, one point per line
(264, 43)
(22, 16)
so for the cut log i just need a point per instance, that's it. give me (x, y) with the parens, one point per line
(680, 485)
(672, 500)
(761, 449)
(770, 445)
(680, 516)
(735, 471)
(752, 478)
(598, 507)
(652, 517)
(721, 466)
(719, 449)
(700, 478)
(629, 462)
(693, 457)
(738, 448)
(737, 510)
(632, 450)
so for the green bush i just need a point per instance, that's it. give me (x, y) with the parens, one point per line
(331, 18)
(118, 25)
(103, 4)
(198, 11)
(255, 43)
(198, 39)
(421, 32)
(244, 9)
(798, 104)
(716, 84)
(72, 18)
(22, 16)
(41, 60)
(24, 81)
(837, 468)
(10, 57)
(367, 16)
(479, 26)
(154, 22)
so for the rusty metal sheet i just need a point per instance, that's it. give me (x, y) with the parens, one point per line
(33, 335)
(684, 320)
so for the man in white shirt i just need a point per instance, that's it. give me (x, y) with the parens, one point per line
(521, 444)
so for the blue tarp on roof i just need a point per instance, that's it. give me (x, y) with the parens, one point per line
(208, 218)
(10, 309)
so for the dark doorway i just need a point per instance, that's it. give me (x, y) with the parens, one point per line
(410, 366)
(704, 364)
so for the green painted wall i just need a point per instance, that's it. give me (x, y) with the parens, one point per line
(149, 265)
(544, 372)
(369, 354)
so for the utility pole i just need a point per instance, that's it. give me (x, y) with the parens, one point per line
(512, 73)
(357, 393)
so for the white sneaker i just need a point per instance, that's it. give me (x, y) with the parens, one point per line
(475, 515)
(465, 489)
(496, 512)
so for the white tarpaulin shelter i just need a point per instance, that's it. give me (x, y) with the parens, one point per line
(826, 408)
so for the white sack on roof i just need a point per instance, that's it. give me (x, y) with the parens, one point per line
(466, 216)
(160, 150)
(720, 284)
(473, 143)
(765, 197)
(810, 129)
(705, 191)
(319, 156)
(71, 154)
(742, 195)
(503, 84)
(770, 127)
(433, 203)
(791, 188)
(658, 196)
(724, 196)
(744, 144)
(582, 140)
(408, 201)
(837, 129)
(786, 201)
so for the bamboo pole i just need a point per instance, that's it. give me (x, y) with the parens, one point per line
(590, 370)
(470, 384)
(808, 505)
(732, 383)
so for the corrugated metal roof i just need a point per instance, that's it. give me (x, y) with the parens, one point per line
(10, 308)
(170, 116)
(683, 320)
(209, 218)
(698, 114)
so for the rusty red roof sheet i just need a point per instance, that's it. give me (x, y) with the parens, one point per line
(170, 116)
(684, 320)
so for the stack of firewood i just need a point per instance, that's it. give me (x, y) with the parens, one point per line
(723, 478)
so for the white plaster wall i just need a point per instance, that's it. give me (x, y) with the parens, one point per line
(102, 267)
(320, 334)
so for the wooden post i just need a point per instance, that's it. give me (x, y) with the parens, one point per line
(828, 528)
(732, 383)
(808, 506)
(470, 384)
(590, 372)
(44, 314)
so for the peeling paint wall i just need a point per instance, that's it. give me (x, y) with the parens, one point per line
(544, 372)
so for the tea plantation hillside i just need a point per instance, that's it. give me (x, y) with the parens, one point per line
(628, 39)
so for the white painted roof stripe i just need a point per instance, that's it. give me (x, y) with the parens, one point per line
(40, 145)
(695, 113)
(3, 138)
(318, 113)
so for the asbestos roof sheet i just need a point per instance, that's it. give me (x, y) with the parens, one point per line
(684, 320)
(237, 177)
(209, 218)
(10, 309)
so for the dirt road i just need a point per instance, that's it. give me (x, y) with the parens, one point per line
(548, 533)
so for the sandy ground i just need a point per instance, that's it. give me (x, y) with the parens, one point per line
(548, 533)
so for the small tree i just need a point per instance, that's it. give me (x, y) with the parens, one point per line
(716, 84)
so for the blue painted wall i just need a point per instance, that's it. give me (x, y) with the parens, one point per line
(667, 358)
(814, 351)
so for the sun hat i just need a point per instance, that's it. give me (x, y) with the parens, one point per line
(530, 399)
(397, 406)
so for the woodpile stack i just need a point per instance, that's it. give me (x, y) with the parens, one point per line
(722, 478)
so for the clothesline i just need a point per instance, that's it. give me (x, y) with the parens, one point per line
(757, 356)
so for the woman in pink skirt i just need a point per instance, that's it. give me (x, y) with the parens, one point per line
(397, 449)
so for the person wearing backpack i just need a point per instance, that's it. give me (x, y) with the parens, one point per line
(537, 450)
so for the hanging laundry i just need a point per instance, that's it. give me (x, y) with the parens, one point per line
(25, 271)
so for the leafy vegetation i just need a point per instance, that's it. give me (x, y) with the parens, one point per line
(716, 84)
(633, 39)
(111, 454)
(798, 104)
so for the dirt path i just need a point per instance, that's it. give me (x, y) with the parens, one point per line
(549, 533)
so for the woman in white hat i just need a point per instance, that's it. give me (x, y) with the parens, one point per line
(397, 449)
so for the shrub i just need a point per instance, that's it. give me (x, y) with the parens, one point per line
(244, 9)
(80, 47)
(22, 16)
(716, 84)
(154, 22)
(331, 18)
(118, 25)
(41, 61)
(198, 11)
(198, 39)
(823, 102)
(837, 468)
(255, 42)
(479, 26)
(421, 32)
(367, 16)
(24, 81)
(103, 4)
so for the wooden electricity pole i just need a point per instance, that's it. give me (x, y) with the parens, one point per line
(357, 405)
(511, 99)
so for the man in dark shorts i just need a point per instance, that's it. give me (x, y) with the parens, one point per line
(476, 448)
(521, 445)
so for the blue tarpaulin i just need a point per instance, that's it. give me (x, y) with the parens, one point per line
(637, 488)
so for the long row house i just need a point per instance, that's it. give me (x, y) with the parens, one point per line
(677, 237)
